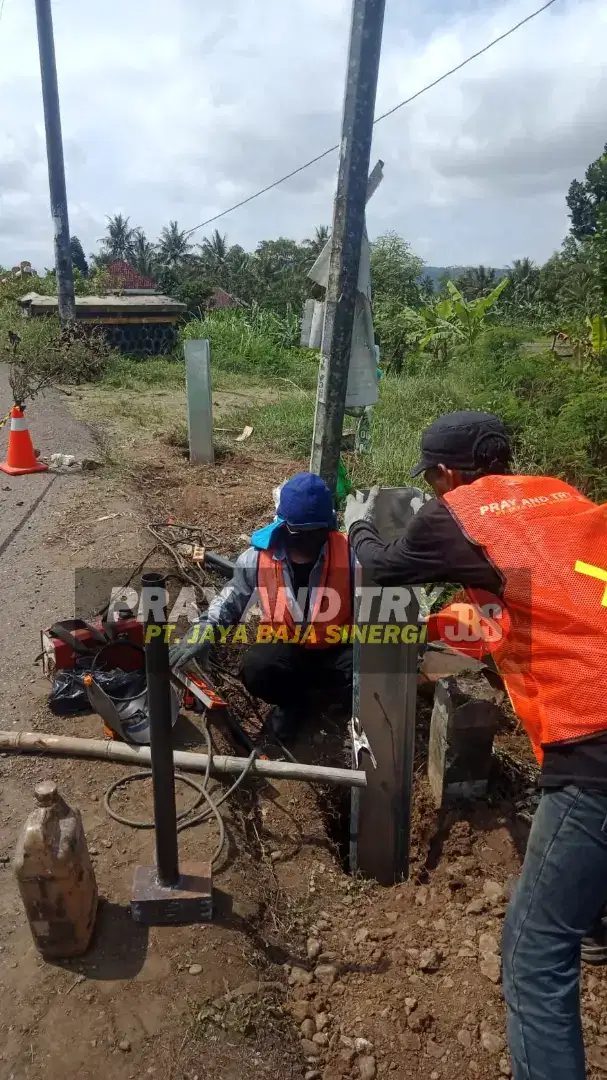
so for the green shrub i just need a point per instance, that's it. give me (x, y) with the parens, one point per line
(581, 436)
(255, 342)
(557, 415)
(399, 330)
(39, 353)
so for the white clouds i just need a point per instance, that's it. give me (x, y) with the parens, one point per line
(177, 111)
(499, 142)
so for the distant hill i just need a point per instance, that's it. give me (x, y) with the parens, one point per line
(436, 272)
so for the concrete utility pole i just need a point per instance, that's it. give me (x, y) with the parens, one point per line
(56, 170)
(348, 227)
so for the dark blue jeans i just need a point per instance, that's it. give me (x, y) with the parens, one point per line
(560, 893)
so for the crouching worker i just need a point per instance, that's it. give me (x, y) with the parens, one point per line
(300, 571)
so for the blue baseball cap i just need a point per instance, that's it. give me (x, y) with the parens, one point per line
(305, 503)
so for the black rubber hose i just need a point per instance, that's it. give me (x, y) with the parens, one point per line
(218, 562)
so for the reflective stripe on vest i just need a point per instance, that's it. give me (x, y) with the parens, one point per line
(549, 543)
(332, 599)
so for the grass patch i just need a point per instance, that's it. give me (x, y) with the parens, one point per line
(284, 426)
(168, 373)
(557, 415)
(127, 373)
(255, 343)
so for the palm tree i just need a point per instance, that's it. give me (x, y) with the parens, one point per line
(520, 270)
(215, 249)
(173, 246)
(317, 243)
(144, 254)
(118, 243)
(476, 281)
(524, 278)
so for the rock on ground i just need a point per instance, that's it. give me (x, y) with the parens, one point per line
(366, 1067)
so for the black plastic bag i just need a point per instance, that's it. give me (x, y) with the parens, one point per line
(69, 697)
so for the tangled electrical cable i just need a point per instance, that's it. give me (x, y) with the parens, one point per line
(171, 537)
(176, 539)
(184, 819)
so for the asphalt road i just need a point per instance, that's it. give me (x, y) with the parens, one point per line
(36, 579)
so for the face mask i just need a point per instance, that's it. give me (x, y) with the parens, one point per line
(307, 544)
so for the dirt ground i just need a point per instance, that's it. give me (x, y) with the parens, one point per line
(128, 417)
(304, 972)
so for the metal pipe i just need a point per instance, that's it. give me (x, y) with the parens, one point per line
(158, 673)
(32, 742)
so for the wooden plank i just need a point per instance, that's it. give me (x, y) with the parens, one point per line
(200, 401)
(385, 691)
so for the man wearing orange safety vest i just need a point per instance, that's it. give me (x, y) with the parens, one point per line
(300, 571)
(540, 547)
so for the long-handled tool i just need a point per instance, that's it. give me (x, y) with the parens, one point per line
(201, 688)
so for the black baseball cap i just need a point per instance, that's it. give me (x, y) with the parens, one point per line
(454, 440)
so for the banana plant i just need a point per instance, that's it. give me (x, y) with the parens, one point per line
(455, 320)
(597, 335)
(471, 313)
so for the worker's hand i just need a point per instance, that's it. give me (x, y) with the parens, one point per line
(182, 654)
(359, 507)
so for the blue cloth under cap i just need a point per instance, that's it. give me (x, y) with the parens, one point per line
(305, 503)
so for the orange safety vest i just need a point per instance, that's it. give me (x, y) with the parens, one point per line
(549, 543)
(335, 586)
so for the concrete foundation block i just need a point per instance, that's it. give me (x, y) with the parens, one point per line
(464, 721)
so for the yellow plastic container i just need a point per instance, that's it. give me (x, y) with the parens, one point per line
(55, 876)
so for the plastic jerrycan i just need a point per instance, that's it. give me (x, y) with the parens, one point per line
(55, 877)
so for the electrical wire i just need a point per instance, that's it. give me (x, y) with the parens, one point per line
(185, 820)
(390, 112)
(169, 536)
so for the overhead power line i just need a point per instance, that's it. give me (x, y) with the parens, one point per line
(395, 108)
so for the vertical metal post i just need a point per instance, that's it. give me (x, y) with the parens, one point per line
(348, 226)
(56, 170)
(200, 401)
(159, 704)
(384, 699)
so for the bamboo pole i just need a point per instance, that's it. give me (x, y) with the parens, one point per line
(30, 742)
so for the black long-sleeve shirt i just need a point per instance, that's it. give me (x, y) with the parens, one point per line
(434, 549)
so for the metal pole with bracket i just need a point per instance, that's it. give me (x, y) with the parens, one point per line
(347, 235)
(162, 894)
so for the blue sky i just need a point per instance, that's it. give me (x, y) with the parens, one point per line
(176, 111)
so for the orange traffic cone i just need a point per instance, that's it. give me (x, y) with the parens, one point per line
(21, 457)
